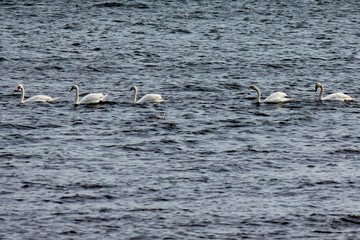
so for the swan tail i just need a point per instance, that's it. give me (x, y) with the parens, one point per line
(161, 100)
(350, 99)
(103, 99)
(53, 100)
(289, 99)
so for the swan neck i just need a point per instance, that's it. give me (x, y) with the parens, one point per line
(22, 95)
(76, 96)
(134, 96)
(321, 92)
(258, 93)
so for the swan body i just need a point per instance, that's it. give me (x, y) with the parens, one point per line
(276, 97)
(37, 98)
(148, 98)
(332, 97)
(91, 98)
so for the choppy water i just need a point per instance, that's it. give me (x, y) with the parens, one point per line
(207, 164)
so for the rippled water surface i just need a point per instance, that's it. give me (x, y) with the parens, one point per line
(209, 163)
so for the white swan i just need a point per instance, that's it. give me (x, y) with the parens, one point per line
(91, 98)
(37, 98)
(332, 97)
(148, 98)
(277, 97)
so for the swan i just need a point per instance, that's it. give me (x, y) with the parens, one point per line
(37, 98)
(91, 98)
(277, 97)
(332, 97)
(148, 98)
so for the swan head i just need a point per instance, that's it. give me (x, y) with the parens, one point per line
(73, 87)
(133, 88)
(253, 87)
(318, 85)
(20, 87)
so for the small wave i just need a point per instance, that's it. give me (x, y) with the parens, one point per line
(91, 185)
(8, 126)
(346, 221)
(346, 151)
(122, 5)
(147, 209)
(180, 30)
(326, 182)
(83, 197)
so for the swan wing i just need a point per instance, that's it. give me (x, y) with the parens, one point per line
(92, 98)
(40, 98)
(338, 97)
(151, 98)
(277, 97)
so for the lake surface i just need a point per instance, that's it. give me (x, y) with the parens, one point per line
(209, 163)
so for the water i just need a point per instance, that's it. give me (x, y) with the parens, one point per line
(207, 164)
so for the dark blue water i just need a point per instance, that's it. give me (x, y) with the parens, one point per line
(207, 164)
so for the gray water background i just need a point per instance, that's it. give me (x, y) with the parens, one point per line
(207, 164)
